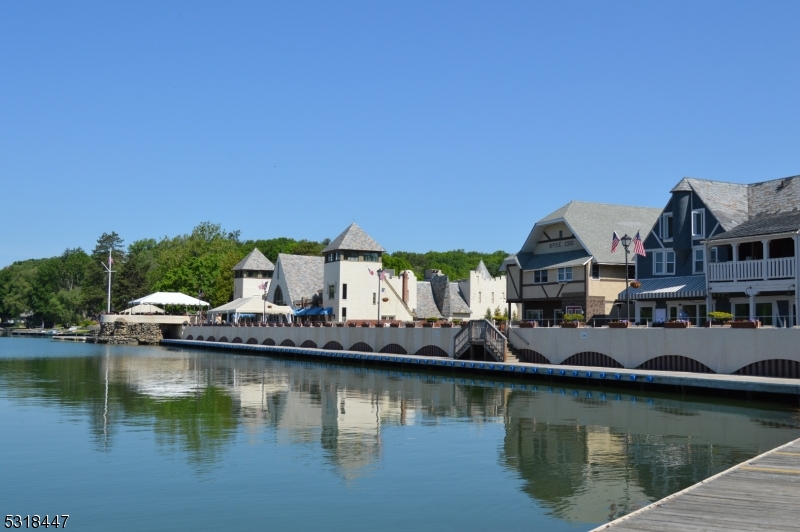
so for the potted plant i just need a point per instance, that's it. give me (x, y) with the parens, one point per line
(445, 324)
(385, 299)
(464, 324)
(718, 318)
(317, 324)
(340, 324)
(394, 324)
(327, 324)
(636, 284)
(677, 324)
(365, 324)
(572, 321)
(351, 324)
(530, 324)
(624, 324)
(430, 321)
(379, 324)
(410, 324)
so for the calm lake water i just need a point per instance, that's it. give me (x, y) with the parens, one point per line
(135, 438)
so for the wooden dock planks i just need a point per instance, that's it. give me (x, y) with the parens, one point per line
(759, 494)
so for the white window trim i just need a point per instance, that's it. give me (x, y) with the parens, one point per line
(656, 255)
(562, 274)
(702, 213)
(694, 259)
(664, 253)
(664, 227)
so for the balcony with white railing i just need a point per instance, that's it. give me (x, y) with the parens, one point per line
(752, 270)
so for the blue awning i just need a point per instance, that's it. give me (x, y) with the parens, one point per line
(669, 287)
(301, 312)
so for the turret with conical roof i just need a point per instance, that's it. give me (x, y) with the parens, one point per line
(252, 275)
(354, 239)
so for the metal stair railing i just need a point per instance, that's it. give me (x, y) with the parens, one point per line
(495, 342)
(480, 332)
(461, 342)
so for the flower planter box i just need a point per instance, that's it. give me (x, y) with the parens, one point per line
(327, 324)
(446, 325)
(528, 324)
(676, 325)
(745, 324)
(619, 325)
(395, 325)
(410, 325)
(306, 325)
(317, 324)
(464, 324)
(571, 325)
(428, 325)
(365, 324)
(379, 325)
(340, 324)
(351, 324)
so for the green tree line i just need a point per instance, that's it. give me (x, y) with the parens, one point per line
(72, 287)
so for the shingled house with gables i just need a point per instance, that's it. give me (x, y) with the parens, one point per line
(566, 264)
(672, 274)
(723, 246)
(753, 268)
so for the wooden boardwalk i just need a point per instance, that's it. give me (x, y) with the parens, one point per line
(760, 494)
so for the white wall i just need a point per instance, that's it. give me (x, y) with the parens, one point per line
(360, 289)
(482, 294)
(248, 286)
(722, 349)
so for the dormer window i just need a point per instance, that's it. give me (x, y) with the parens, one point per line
(698, 223)
(667, 228)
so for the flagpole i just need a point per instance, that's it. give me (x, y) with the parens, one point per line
(110, 271)
(379, 294)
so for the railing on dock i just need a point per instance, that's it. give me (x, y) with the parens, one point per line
(480, 332)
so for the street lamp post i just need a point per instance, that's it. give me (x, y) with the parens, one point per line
(626, 241)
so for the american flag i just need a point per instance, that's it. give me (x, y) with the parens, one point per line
(262, 286)
(382, 275)
(370, 271)
(110, 260)
(614, 242)
(638, 245)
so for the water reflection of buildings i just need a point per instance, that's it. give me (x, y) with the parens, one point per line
(580, 455)
(588, 455)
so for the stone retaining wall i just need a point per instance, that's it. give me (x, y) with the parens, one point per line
(122, 333)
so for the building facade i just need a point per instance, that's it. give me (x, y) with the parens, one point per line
(566, 265)
(251, 274)
(672, 274)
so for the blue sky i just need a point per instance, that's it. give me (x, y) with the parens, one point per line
(434, 125)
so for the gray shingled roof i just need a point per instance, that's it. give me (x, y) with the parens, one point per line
(255, 260)
(353, 239)
(772, 197)
(304, 275)
(594, 224)
(763, 225)
(426, 305)
(483, 271)
(457, 303)
(727, 201)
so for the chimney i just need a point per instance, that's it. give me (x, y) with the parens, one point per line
(405, 286)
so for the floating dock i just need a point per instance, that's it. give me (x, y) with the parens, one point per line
(760, 494)
(740, 384)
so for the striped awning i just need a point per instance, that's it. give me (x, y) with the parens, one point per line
(669, 287)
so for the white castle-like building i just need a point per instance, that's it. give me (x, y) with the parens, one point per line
(356, 287)
(250, 274)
